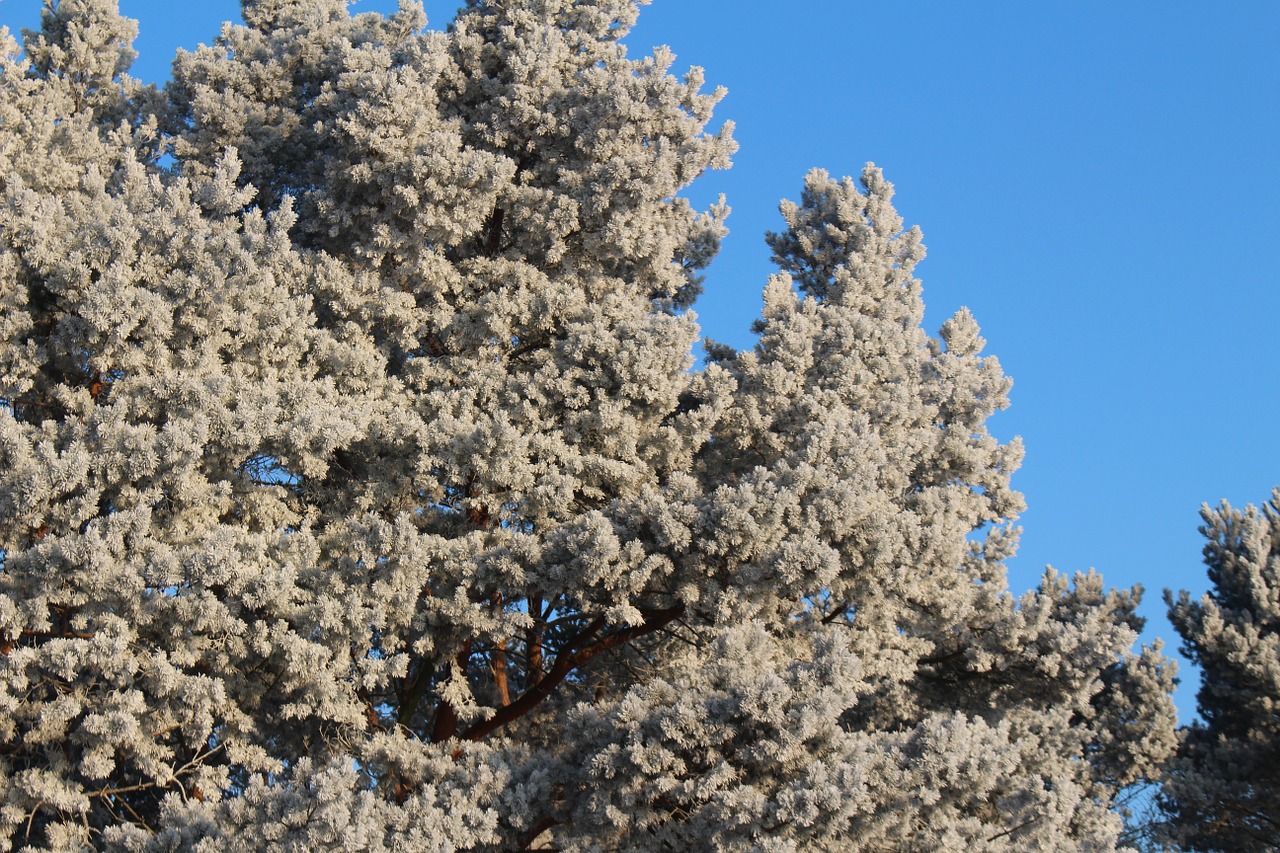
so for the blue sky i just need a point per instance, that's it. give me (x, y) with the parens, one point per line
(1098, 182)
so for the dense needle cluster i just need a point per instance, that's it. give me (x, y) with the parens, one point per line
(356, 490)
(1223, 791)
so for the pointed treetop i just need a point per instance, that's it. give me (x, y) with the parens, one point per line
(88, 44)
(837, 232)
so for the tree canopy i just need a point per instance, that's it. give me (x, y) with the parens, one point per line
(1223, 792)
(358, 489)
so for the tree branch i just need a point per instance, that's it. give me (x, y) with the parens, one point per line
(1011, 830)
(493, 231)
(534, 831)
(446, 722)
(573, 656)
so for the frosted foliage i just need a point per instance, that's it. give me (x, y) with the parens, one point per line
(1224, 790)
(89, 46)
(356, 490)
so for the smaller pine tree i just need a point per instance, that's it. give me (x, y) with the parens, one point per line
(1224, 790)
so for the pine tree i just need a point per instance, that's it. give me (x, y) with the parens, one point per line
(1223, 792)
(356, 489)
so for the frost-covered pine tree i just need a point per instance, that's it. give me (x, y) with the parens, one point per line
(1223, 792)
(356, 490)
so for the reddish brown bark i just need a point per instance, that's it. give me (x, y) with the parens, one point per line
(35, 534)
(581, 650)
(533, 643)
(536, 830)
(498, 664)
(477, 513)
(493, 231)
(370, 713)
(446, 722)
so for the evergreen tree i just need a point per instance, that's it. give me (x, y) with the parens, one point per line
(1223, 792)
(356, 491)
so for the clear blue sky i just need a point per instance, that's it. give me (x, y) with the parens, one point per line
(1099, 182)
